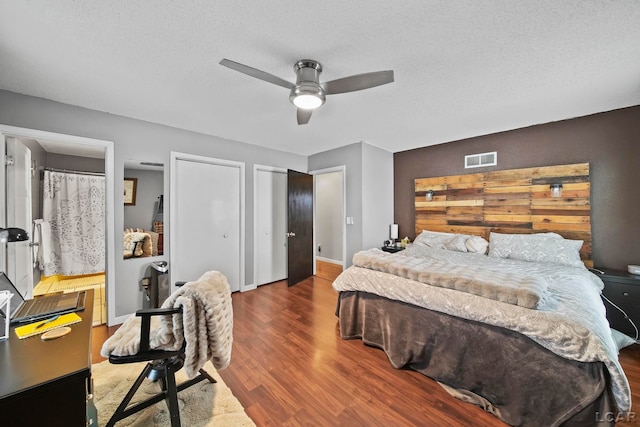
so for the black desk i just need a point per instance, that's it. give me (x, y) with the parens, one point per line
(45, 383)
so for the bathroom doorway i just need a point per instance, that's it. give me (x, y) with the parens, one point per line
(47, 150)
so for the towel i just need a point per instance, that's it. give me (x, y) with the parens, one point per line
(206, 323)
(42, 240)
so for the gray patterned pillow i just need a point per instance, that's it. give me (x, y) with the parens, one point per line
(536, 248)
(453, 241)
(433, 239)
(457, 243)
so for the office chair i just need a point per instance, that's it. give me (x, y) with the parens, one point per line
(196, 311)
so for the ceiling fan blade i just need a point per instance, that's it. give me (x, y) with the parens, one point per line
(304, 116)
(358, 82)
(258, 74)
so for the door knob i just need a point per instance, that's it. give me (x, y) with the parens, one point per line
(291, 234)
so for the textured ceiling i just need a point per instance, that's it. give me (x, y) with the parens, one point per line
(462, 68)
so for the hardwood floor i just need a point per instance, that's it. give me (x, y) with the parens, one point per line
(289, 367)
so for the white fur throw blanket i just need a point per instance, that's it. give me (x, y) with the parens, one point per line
(206, 323)
(437, 267)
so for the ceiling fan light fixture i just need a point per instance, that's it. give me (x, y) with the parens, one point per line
(307, 96)
(307, 102)
(308, 93)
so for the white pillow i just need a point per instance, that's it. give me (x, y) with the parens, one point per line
(536, 248)
(477, 244)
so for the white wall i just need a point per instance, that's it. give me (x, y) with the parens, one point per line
(377, 195)
(137, 139)
(349, 156)
(365, 202)
(329, 215)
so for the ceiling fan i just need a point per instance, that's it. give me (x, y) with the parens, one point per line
(308, 93)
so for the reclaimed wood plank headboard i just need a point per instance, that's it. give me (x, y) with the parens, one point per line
(509, 201)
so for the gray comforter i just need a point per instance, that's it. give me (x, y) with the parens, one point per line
(517, 380)
(570, 318)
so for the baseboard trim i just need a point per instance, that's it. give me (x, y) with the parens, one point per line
(332, 261)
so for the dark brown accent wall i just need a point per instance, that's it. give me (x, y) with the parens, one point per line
(609, 142)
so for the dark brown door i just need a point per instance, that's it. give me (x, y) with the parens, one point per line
(300, 226)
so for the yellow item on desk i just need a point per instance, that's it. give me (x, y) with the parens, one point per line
(34, 328)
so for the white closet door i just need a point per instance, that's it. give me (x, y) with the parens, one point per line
(270, 213)
(207, 214)
(19, 255)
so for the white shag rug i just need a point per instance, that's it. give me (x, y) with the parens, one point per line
(201, 405)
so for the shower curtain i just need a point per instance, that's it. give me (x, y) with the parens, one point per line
(74, 206)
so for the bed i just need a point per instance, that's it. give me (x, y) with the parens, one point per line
(494, 299)
(527, 341)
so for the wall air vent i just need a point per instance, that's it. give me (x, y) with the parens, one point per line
(481, 160)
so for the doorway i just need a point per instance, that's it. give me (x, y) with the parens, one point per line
(270, 224)
(330, 219)
(62, 145)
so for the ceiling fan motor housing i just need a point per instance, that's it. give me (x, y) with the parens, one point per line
(307, 82)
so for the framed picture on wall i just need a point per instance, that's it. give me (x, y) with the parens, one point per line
(130, 185)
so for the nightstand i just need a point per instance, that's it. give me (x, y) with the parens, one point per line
(623, 289)
(392, 249)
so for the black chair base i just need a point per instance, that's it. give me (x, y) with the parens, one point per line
(165, 371)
